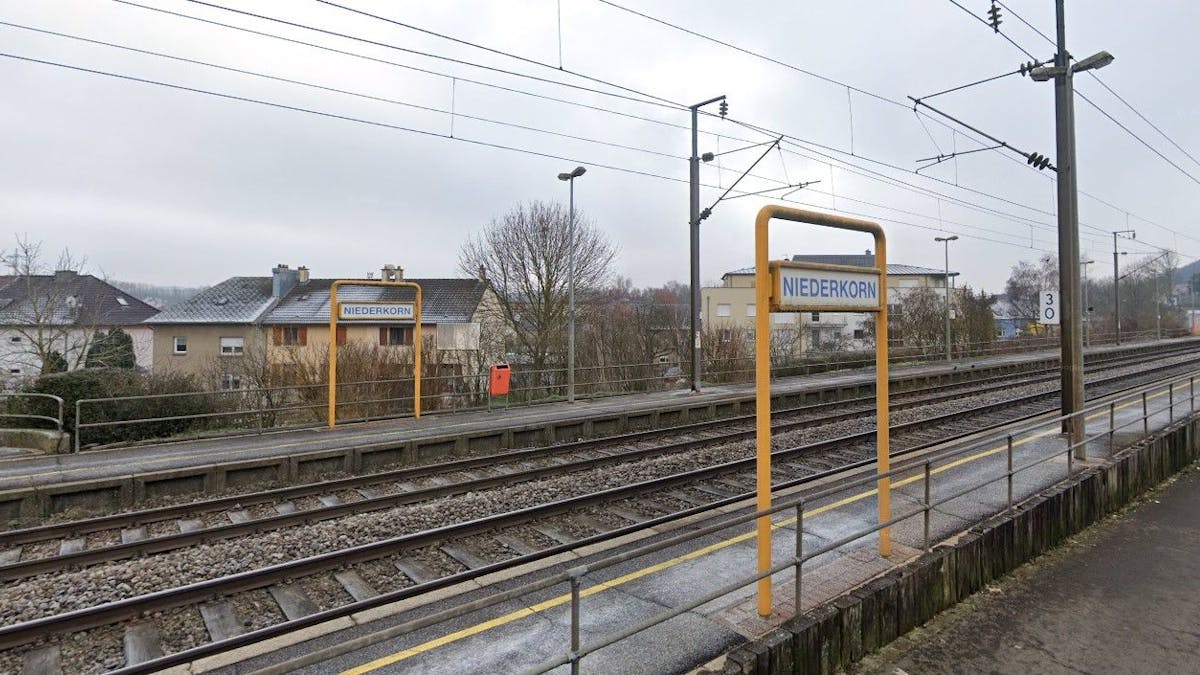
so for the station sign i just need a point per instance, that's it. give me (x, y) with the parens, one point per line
(808, 286)
(376, 311)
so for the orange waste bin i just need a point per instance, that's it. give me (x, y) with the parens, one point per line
(500, 376)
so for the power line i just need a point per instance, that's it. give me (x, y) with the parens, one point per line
(346, 92)
(1095, 105)
(396, 64)
(344, 52)
(352, 37)
(662, 103)
(395, 127)
(1096, 77)
(755, 54)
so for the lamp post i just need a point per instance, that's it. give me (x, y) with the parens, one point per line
(694, 218)
(946, 241)
(1087, 309)
(1068, 225)
(570, 178)
(1117, 282)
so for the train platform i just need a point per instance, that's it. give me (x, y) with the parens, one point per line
(1117, 600)
(435, 434)
(529, 631)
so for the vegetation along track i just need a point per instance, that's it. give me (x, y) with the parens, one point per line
(470, 548)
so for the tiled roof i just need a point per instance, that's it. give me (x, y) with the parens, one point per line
(235, 300)
(249, 300)
(78, 299)
(443, 300)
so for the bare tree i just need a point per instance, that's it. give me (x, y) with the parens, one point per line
(54, 321)
(1027, 279)
(525, 254)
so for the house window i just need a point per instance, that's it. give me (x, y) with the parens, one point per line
(726, 334)
(783, 317)
(231, 382)
(395, 335)
(289, 336)
(180, 344)
(859, 333)
(816, 316)
(232, 346)
(16, 339)
(751, 309)
(14, 371)
(723, 309)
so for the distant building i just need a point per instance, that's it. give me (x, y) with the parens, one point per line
(1010, 321)
(61, 313)
(732, 304)
(286, 317)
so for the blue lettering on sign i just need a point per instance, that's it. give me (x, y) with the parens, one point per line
(813, 287)
(384, 311)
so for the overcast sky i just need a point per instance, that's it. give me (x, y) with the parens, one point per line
(177, 187)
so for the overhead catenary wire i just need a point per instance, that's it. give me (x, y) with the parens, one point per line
(128, 2)
(1102, 83)
(782, 185)
(400, 128)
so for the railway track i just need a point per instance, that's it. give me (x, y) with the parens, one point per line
(428, 558)
(44, 549)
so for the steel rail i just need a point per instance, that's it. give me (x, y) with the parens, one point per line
(82, 619)
(170, 542)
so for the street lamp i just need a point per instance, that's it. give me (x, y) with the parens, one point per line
(1116, 283)
(946, 241)
(570, 178)
(1068, 225)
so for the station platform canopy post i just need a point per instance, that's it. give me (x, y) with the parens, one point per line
(787, 286)
(376, 312)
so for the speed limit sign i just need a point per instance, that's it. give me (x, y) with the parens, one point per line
(1049, 307)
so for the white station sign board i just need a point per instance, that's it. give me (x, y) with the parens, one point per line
(1049, 310)
(804, 288)
(376, 311)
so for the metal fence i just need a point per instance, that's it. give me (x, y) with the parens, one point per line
(18, 405)
(254, 410)
(923, 471)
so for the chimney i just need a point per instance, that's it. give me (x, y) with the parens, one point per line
(63, 275)
(387, 273)
(399, 273)
(283, 280)
(302, 274)
(482, 273)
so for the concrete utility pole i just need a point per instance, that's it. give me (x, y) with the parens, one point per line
(694, 229)
(947, 241)
(1068, 225)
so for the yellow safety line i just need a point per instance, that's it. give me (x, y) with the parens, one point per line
(666, 564)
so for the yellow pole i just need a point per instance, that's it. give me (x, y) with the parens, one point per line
(882, 422)
(417, 356)
(333, 318)
(762, 404)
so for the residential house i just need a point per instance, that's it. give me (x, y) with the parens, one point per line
(61, 313)
(1010, 321)
(286, 318)
(732, 304)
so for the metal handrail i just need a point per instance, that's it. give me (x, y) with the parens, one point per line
(574, 577)
(471, 395)
(58, 421)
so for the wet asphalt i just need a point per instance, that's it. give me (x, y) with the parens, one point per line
(1122, 597)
